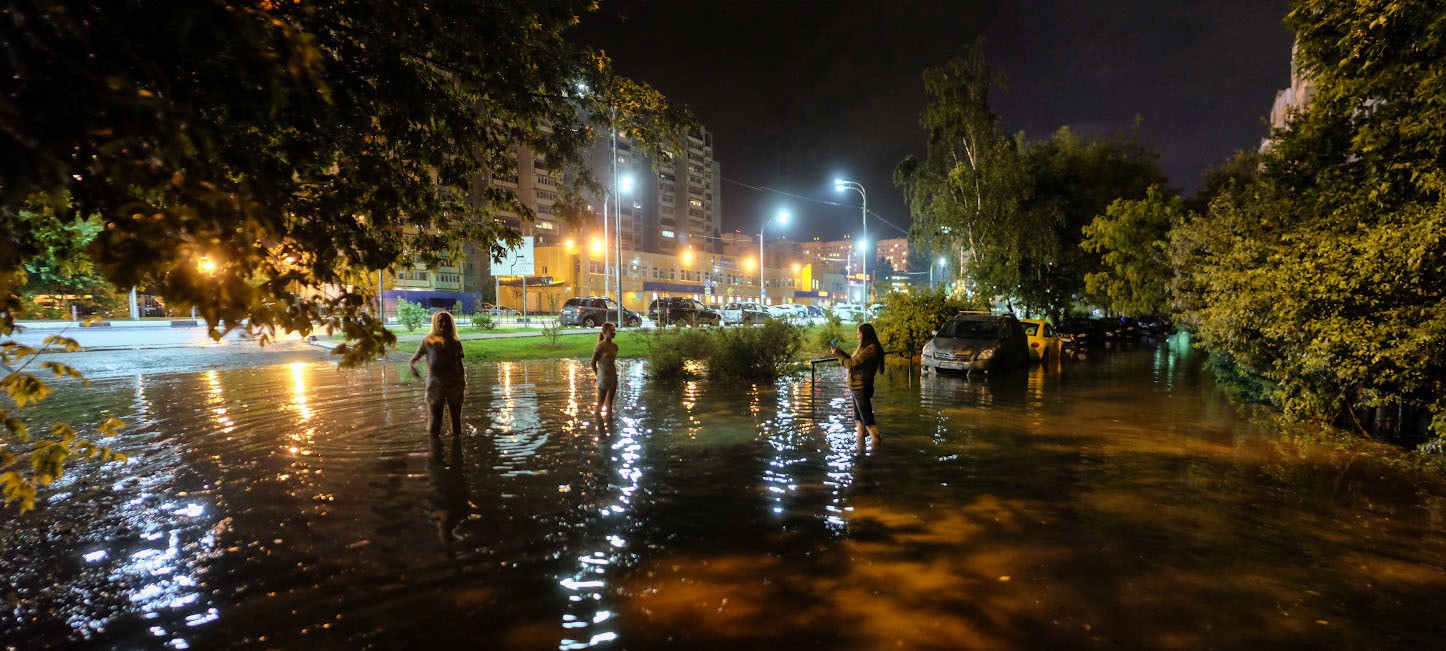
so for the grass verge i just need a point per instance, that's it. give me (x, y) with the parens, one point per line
(630, 344)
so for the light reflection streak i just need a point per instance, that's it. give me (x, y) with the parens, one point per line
(516, 425)
(785, 437)
(588, 583)
(216, 400)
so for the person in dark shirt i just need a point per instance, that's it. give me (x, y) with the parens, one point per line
(446, 379)
(863, 364)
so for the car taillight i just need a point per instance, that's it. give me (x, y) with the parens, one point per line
(1034, 344)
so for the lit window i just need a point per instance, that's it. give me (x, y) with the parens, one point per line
(669, 234)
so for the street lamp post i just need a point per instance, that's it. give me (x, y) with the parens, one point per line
(781, 218)
(607, 194)
(625, 186)
(841, 185)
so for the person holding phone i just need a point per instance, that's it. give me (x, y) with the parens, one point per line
(863, 364)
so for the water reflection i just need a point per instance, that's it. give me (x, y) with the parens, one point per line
(1115, 501)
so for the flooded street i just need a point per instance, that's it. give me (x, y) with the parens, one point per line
(1118, 501)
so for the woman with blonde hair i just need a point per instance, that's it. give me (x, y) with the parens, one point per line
(605, 365)
(446, 379)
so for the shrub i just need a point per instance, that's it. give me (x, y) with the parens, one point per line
(670, 350)
(551, 328)
(909, 320)
(756, 353)
(832, 330)
(411, 315)
(484, 321)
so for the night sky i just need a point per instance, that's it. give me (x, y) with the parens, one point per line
(799, 92)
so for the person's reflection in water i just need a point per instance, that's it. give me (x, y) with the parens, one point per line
(448, 502)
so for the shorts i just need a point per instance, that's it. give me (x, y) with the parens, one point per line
(863, 405)
(439, 393)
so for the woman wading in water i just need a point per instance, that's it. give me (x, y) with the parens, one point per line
(446, 379)
(866, 361)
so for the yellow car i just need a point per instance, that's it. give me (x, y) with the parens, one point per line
(1044, 342)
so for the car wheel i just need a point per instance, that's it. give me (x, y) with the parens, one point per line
(588, 322)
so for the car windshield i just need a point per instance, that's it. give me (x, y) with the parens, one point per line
(970, 329)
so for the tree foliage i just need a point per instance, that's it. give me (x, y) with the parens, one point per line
(1325, 275)
(964, 195)
(1011, 212)
(910, 319)
(299, 147)
(1132, 238)
(1073, 181)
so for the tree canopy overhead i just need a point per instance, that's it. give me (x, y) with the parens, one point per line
(292, 144)
(295, 148)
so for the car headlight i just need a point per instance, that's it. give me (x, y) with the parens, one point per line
(985, 354)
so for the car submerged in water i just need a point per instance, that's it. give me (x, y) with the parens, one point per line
(977, 341)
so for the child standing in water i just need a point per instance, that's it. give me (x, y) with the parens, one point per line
(446, 380)
(605, 365)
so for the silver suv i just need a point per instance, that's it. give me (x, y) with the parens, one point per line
(739, 313)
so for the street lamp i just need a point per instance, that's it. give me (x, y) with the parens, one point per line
(840, 185)
(624, 186)
(782, 219)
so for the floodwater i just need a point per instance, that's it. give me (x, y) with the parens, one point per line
(1114, 502)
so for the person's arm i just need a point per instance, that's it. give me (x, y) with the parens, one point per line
(596, 353)
(412, 363)
(863, 355)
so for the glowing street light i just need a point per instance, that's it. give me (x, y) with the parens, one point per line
(782, 219)
(840, 185)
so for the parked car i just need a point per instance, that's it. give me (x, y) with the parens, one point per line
(1120, 329)
(1156, 327)
(499, 310)
(743, 313)
(678, 310)
(591, 311)
(782, 312)
(1044, 343)
(1081, 332)
(815, 314)
(977, 341)
(848, 312)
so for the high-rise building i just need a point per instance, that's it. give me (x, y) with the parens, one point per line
(1290, 100)
(671, 206)
(895, 251)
